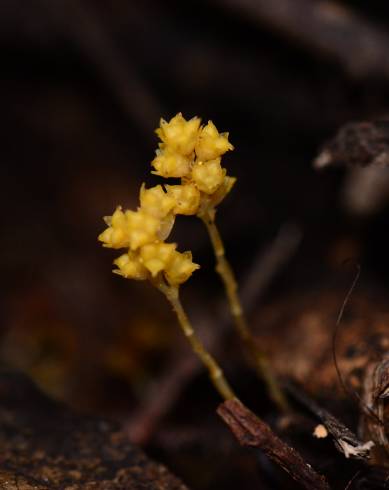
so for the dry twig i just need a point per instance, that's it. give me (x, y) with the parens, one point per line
(345, 440)
(253, 432)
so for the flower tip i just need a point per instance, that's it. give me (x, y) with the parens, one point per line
(105, 237)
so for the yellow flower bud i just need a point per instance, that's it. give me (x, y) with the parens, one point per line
(208, 176)
(157, 256)
(118, 218)
(169, 163)
(211, 144)
(156, 201)
(116, 235)
(112, 238)
(186, 198)
(180, 268)
(129, 266)
(178, 134)
(142, 228)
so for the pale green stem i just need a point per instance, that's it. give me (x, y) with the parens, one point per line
(227, 275)
(215, 372)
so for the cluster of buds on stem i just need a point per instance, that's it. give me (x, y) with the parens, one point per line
(143, 233)
(192, 153)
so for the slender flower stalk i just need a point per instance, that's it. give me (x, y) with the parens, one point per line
(215, 372)
(148, 257)
(192, 152)
(226, 273)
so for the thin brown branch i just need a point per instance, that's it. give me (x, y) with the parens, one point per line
(325, 27)
(251, 431)
(345, 440)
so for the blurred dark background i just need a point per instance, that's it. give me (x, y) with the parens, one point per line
(83, 85)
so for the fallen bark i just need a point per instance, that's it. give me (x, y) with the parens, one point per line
(253, 432)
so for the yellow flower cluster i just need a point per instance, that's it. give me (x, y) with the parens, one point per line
(193, 153)
(143, 233)
(188, 151)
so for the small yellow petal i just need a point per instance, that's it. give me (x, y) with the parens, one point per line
(142, 228)
(211, 144)
(130, 266)
(116, 235)
(157, 256)
(155, 201)
(114, 238)
(208, 176)
(186, 198)
(169, 163)
(180, 268)
(179, 134)
(118, 218)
